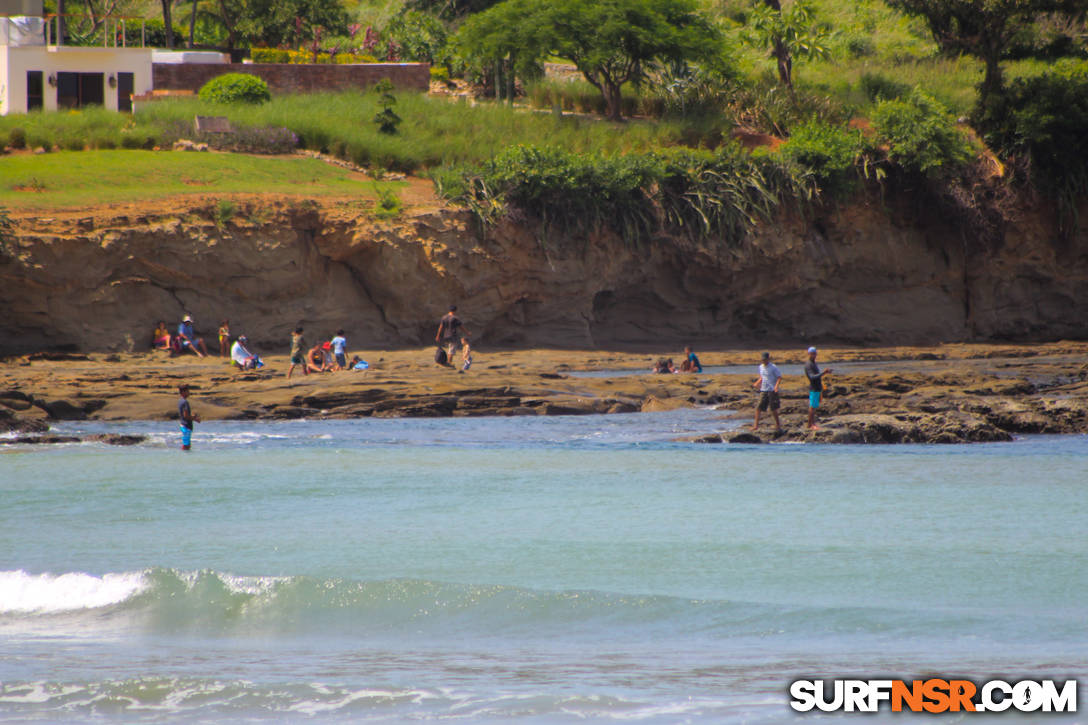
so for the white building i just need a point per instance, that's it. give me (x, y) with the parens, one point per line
(37, 74)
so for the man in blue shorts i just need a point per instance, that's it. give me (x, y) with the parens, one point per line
(185, 417)
(815, 386)
(188, 339)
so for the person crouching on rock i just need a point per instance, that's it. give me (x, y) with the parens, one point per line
(315, 359)
(186, 417)
(767, 382)
(241, 356)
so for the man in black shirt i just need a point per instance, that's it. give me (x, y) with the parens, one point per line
(815, 386)
(450, 332)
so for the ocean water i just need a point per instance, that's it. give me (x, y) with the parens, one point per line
(530, 570)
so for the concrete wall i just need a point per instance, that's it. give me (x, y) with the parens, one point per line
(295, 78)
(16, 61)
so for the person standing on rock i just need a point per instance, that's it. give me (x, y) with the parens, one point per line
(450, 332)
(340, 350)
(298, 344)
(185, 417)
(815, 386)
(767, 382)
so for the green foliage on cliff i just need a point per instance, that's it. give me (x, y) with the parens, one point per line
(704, 195)
(1041, 124)
(831, 152)
(921, 135)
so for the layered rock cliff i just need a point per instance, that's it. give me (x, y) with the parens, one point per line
(863, 273)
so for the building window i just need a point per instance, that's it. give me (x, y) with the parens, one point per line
(35, 90)
(76, 90)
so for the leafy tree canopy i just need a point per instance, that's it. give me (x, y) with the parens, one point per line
(789, 33)
(288, 22)
(612, 42)
(451, 9)
(983, 28)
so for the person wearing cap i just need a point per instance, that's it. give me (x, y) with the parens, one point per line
(185, 417)
(241, 356)
(767, 382)
(450, 332)
(815, 386)
(188, 339)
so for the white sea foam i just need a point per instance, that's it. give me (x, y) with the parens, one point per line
(21, 592)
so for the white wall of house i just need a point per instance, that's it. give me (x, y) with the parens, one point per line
(15, 61)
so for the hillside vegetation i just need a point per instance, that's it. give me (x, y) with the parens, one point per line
(965, 100)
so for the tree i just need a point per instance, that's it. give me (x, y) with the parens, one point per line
(505, 43)
(168, 22)
(450, 9)
(983, 28)
(290, 22)
(612, 42)
(789, 33)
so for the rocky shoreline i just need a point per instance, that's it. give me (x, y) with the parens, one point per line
(943, 394)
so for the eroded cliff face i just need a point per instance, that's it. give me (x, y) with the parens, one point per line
(99, 280)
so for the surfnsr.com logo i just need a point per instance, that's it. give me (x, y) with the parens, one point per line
(933, 695)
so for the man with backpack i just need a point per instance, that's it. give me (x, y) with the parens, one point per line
(448, 337)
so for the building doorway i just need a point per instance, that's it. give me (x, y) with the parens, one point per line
(125, 83)
(35, 91)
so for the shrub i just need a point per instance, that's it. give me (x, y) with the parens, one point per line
(17, 138)
(1043, 123)
(104, 139)
(387, 119)
(224, 212)
(269, 55)
(878, 87)
(39, 138)
(921, 135)
(860, 46)
(137, 139)
(235, 88)
(419, 36)
(440, 74)
(830, 152)
(389, 205)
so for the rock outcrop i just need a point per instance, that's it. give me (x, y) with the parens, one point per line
(98, 280)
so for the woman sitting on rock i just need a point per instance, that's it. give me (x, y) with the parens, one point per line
(160, 338)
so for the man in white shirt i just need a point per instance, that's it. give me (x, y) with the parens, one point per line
(240, 355)
(767, 382)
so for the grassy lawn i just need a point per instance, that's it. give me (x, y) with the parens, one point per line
(73, 179)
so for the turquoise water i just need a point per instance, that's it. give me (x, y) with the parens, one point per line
(537, 570)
